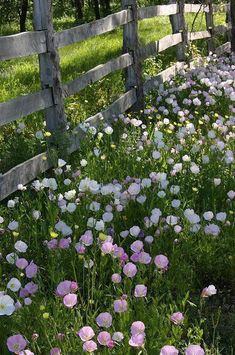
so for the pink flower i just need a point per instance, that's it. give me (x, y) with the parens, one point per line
(23, 292)
(66, 287)
(144, 258)
(209, 291)
(137, 246)
(177, 318)
(89, 346)
(70, 300)
(55, 351)
(107, 247)
(104, 338)
(21, 263)
(16, 343)
(104, 320)
(120, 306)
(130, 270)
(52, 244)
(81, 249)
(87, 238)
(137, 327)
(31, 270)
(169, 350)
(194, 350)
(137, 340)
(64, 243)
(31, 287)
(116, 278)
(161, 261)
(140, 291)
(86, 333)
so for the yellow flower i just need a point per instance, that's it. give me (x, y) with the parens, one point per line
(113, 146)
(102, 236)
(15, 234)
(216, 115)
(47, 134)
(44, 157)
(53, 234)
(103, 157)
(42, 308)
(46, 315)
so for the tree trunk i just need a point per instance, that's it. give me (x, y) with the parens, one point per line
(78, 10)
(23, 8)
(96, 9)
(232, 9)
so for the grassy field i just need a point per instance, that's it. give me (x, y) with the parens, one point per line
(21, 76)
(133, 234)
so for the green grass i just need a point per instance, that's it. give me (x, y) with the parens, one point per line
(21, 77)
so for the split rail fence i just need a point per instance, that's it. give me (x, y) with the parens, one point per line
(45, 42)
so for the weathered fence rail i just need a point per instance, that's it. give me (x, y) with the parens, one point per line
(44, 42)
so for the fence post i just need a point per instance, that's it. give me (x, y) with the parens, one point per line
(232, 18)
(178, 24)
(210, 26)
(49, 66)
(133, 74)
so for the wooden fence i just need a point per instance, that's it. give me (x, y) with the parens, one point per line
(45, 42)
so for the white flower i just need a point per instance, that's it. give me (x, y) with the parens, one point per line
(63, 228)
(107, 217)
(14, 284)
(156, 155)
(208, 215)
(21, 246)
(61, 163)
(194, 168)
(118, 336)
(171, 220)
(99, 226)
(174, 189)
(11, 204)
(88, 264)
(13, 225)
(161, 194)
(108, 130)
(141, 199)
(221, 216)
(21, 187)
(87, 185)
(91, 222)
(134, 231)
(69, 195)
(175, 203)
(124, 234)
(230, 194)
(11, 258)
(1, 219)
(217, 181)
(71, 207)
(205, 159)
(94, 206)
(6, 305)
(134, 189)
(211, 290)
(67, 182)
(107, 189)
(39, 135)
(212, 229)
(36, 214)
(146, 182)
(83, 162)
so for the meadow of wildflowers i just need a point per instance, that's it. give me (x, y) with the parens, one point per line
(128, 247)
